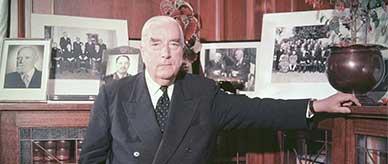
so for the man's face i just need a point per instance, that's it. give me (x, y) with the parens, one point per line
(25, 60)
(162, 52)
(217, 57)
(122, 64)
(239, 55)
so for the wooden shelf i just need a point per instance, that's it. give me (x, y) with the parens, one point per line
(376, 112)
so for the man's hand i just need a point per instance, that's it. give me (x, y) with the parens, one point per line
(337, 103)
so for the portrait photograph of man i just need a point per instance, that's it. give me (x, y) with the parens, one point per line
(24, 67)
(120, 66)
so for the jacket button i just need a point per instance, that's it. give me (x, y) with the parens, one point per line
(188, 150)
(136, 154)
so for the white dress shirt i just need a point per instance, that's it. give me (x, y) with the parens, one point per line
(154, 89)
(29, 76)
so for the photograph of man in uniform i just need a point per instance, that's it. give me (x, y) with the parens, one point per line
(26, 74)
(122, 64)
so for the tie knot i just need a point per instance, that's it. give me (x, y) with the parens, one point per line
(163, 89)
(24, 76)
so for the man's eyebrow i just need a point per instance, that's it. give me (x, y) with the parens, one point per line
(175, 40)
(155, 40)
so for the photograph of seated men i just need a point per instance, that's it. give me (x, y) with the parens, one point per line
(122, 64)
(26, 74)
(232, 65)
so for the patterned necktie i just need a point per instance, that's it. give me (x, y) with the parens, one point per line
(161, 110)
(25, 80)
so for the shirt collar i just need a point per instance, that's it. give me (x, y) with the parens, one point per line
(30, 73)
(121, 76)
(154, 88)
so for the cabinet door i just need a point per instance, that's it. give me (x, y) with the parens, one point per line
(45, 145)
(367, 141)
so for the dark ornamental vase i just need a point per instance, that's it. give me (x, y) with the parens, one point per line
(356, 69)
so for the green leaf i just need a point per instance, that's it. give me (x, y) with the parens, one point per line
(327, 22)
(374, 18)
(364, 3)
(321, 19)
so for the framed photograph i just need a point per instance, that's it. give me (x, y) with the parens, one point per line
(78, 49)
(235, 62)
(294, 52)
(24, 69)
(122, 61)
(381, 91)
(134, 45)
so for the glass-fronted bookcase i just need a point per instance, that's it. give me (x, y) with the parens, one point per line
(41, 133)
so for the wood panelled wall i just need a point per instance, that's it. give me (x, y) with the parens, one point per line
(221, 19)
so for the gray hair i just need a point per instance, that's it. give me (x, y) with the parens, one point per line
(33, 51)
(159, 20)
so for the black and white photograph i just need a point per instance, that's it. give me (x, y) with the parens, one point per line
(294, 48)
(25, 68)
(232, 62)
(123, 61)
(79, 44)
(120, 66)
(134, 48)
(300, 54)
(380, 92)
(77, 53)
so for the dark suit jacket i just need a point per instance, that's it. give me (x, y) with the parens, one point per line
(64, 42)
(109, 78)
(123, 128)
(14, 80)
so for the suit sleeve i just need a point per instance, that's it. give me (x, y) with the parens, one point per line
(96, 146)
(239, 111)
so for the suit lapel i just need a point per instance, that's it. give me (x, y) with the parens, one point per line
(36, 79)
(141, 116)
(181, 112)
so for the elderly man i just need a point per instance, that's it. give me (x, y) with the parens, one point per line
(241, 66)
(122, 65)
(26, 75)
(216, 67)
(162, 116)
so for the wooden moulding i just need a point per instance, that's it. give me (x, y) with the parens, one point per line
(43, 106)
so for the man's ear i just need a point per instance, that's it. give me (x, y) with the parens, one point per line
(35, 56)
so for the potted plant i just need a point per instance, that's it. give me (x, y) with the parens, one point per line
(360, 17)
(355, 65)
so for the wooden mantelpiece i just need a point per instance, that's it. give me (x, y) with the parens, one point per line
(43, 106)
